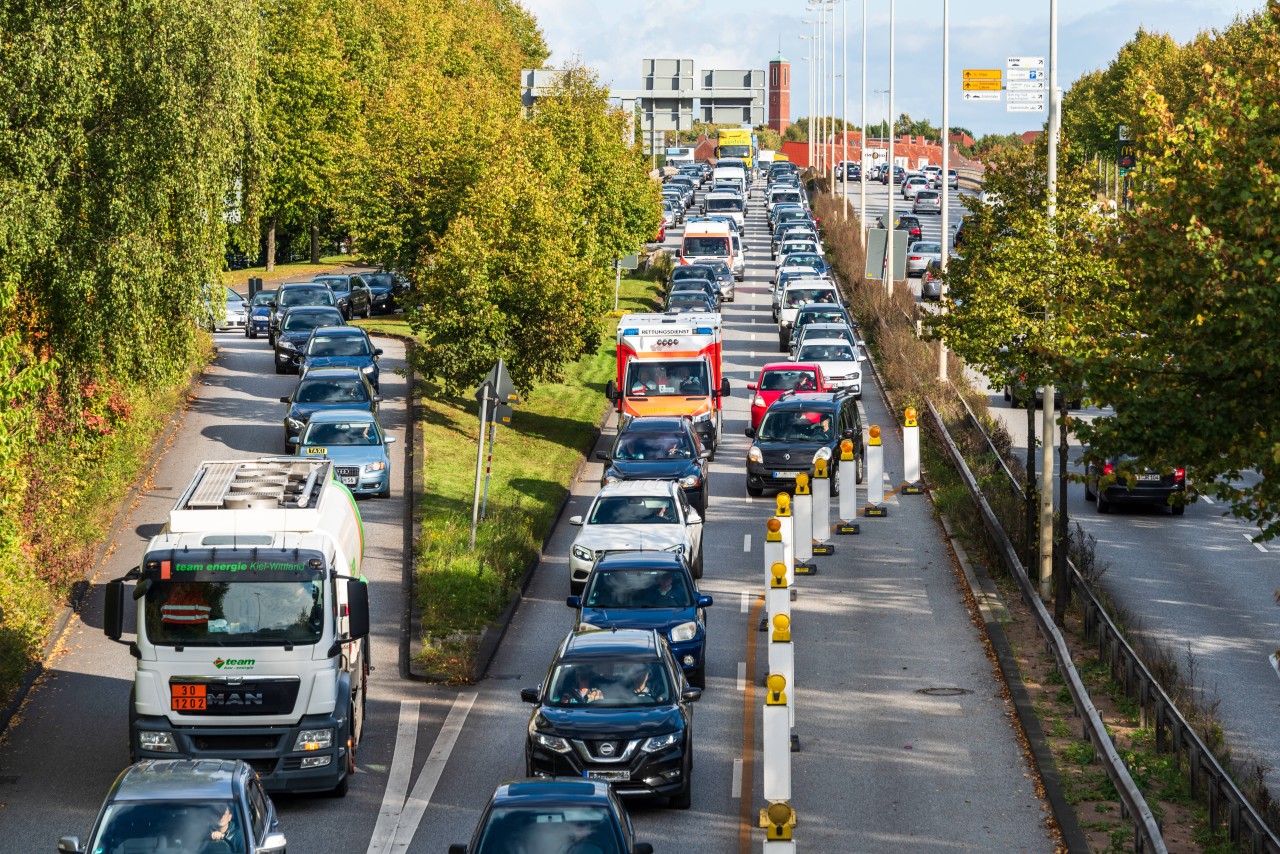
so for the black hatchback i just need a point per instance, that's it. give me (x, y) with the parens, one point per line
(1125, 480)
(660, 448)
(799, 429)
(615, 706)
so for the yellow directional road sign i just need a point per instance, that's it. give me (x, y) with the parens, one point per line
(982, 85)
(982, 74)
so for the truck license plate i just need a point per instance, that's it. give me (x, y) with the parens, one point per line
(188, 697)
(609, 776)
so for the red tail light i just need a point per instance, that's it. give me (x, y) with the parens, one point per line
(1108, 469)
(915, 258)
(1179, 475)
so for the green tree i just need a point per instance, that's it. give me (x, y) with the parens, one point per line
(768, 138)
(797, 131)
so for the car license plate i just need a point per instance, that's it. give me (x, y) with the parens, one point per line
(350, 481)
(609, 776)
(1147, 477)
(187, 697)
(784, 475)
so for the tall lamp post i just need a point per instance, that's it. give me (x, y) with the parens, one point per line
(862, 149)
(811, 55)
(1048, 424)
(890, 223)
(946, 166)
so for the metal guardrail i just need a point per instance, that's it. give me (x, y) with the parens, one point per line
(1245, 826)
(1147, 835)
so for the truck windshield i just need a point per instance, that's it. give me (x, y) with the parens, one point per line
(702, 247)
(648, 378)
(241, 613)
(743, 151)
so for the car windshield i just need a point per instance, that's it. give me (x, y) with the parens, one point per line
(306, 321)
(525, 829)
(800, 296)
(339, 345)
(827, 353)
(263, 297)
(793, 246)
(720, 268)
(700, 271)
(305, 296)
(784, 380)
(337, 284)
(351, 433)
(807, 316)
(697, 247)
(637, 588)
(218, 613)
(653, 446)
(170, 826)
(658, 379)
(807, 259)
(380, 280)
(609, 684)
(724, 204)
(634, 510)
(934, 248)
(330, 391)
(796, 425)
(843, 332)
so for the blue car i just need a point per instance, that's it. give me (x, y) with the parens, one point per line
(324, 389)
(649, 590)
(295, 330)
(259, 320)
(557, 814)
(356, 443)
(340, 347)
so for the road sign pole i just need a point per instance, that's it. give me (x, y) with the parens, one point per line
(617, 282)
(946, 173)
(488, 469)
(475, 503)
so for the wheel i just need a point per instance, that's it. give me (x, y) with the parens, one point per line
(368, 310)
(835, 480)
(782, 344)
(755, 491)
(279, 367)
(684, 800)
(1179, 509)
(1007, 395)
(1104, 506)
(386, 493)
(861, 472)
(697, 565)
(1088, 492)
(698, 678)
(251, 332)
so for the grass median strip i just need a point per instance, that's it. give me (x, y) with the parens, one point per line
(460, 592)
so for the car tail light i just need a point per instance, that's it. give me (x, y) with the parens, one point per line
(1179, 475)
(915, 258)
(1108, 469)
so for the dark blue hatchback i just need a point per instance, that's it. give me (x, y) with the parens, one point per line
(554, 815)
(341, 347)
(649, 590)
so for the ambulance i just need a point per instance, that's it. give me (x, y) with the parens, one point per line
(670, 364)
(707, 241)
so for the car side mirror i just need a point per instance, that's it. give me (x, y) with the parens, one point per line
(573, 601)
(641, 848)
(601, 455)
(576, 521)
(389, 440)
(284, 400)
(72, 844)
(694, 518)
(848, 434)
(704, 455)
(377, 398)
(275, 843)
(691, 694)
(611, 390)
(459, 848)
(724, 387)
(528, 695)
(750, 432)
(377, 351)
(751, 386)
(705, 602)
(293, 440)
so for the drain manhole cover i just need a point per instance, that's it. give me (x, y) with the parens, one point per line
(944, 692)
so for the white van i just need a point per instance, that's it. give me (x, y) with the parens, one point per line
(731, 205)
(735, 174)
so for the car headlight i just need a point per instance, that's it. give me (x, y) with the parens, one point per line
(314, 739)
(754, 455)
(380, 465)
(684, 632)
(612, 478)
(678, 549)
(368, 369)
(823, 454)
(583, 553)
(379, 297)
(285, 344)
(295, 423)
(759, 401)
(661, 742)
(690, 481)
(160, 742)
(550, 742)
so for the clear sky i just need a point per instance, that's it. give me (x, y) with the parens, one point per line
(613, 38)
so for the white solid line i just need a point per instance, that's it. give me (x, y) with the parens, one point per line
(746, 542)
(735, 785)
(397, 779)
(1259, 546)
(746, 601)
(416, 806)
(742, 676)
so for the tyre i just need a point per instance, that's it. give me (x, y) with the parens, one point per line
(368, 310)
(861, 471)
(698, 678)
(1179, 509)
(386, 493)
(782, 344)
(755, 491)
(1104, 506)
(835, 480)
(279, 367)
(1088, 492)
(684, 799)
(251, 332)
(697, 565)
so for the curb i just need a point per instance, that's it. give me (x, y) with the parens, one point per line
(80, 590)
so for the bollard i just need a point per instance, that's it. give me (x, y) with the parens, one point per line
(875, 474)
(822, 510)
(773, 556)
(802, 516)
(849, 495)
(777, 596)
(911, 453)
(788, 536)
(782, 660)
(778, 818)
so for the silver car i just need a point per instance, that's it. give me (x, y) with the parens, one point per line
(914, 184)
(927, 201)
(931, 281)
(920, 254)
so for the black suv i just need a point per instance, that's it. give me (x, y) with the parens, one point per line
(660, 448)
(293, 294)
(797, 430)
(351, 292)
(615, 706)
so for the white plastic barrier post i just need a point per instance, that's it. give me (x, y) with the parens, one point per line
(782, 660)
(822, 510)
(777, 596)
(848, 523)
(875, 474)
(788, 535)
(911, 453)
(802, 515)
(773, 557)
(778, 818)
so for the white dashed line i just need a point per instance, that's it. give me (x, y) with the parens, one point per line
(742, 676)
(735, 785)
(1259, 546)
(746, 602)
(1206, 499)
(746, 543)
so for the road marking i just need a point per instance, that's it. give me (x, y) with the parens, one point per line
(398, 778)
(742, 676)
(746, 601)
(1206, 499)
(416, 805)
(1259, 546)
(746, 543)
(753, 354)
(735, 785)
(746, 824)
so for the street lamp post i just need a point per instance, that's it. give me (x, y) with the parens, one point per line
(808, 61)
(890, 224)
(946, 165)
(844, 108)
(862, 149)
(1048, 423)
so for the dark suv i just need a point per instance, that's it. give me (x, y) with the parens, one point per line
(351, 292)
(660, 448)
(796, 431)
(185, 805)
(292, 295)
(615, 706)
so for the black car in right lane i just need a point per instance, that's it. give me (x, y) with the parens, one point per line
(615, 706)
(1125, 480)
(799, 429)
